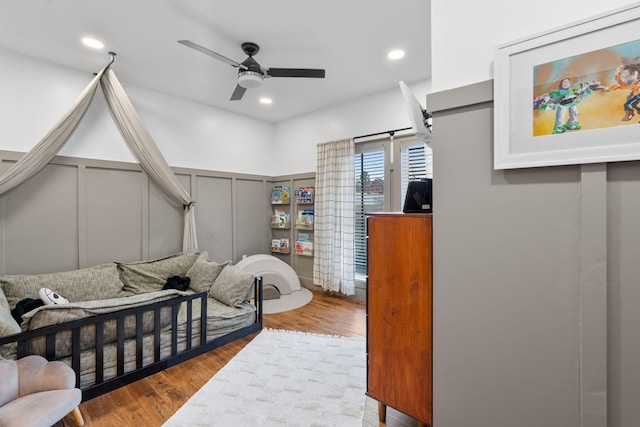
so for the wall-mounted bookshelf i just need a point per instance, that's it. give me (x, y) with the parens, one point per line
(304, 195)
(280, 195)
(304, 221)
(280, 246)
(280, 219)
(304, 246)
(292, 202)
(304, 198)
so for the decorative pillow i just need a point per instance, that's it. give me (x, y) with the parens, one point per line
(232, 286)
(97, 282)
(8, 325)
(204, 272)
(149, 276)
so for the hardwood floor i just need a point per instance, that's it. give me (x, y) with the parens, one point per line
(152, 400)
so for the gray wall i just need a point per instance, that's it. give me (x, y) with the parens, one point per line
(80, 212)
(535, 282)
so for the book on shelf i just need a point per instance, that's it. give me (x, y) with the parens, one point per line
(303, 195)
(280, 246)
(303, 237)
(305, 219)
(304, 247)
(280, 195)
(280, 219)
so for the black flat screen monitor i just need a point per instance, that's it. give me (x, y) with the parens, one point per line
(418, 198)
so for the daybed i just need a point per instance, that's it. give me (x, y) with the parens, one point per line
(121, 325)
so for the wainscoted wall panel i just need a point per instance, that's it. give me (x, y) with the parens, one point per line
(114, 224)
(214, 216)
(251, 228)
(81, 212)
(165, 220)
(30, 242)
(623, 293)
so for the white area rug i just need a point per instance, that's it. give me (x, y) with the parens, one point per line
(284, 378)
(295, 299)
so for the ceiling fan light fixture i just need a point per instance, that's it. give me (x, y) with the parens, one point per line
(250, 79)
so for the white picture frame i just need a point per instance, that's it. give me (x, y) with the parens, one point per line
(524, 136)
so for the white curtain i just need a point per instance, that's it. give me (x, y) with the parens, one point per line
(334, 223)
(135, 135)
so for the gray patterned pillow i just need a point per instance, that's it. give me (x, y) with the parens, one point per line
(232, 286)
(204, 272)
(8, 325)
(149, 276)
(97, 282)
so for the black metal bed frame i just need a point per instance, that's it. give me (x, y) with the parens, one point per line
(122, 378)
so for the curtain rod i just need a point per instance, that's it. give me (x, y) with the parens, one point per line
(390, 132)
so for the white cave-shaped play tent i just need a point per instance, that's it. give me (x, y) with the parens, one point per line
(274, 272)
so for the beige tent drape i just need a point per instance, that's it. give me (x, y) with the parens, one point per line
(145, 150)
(135, 135)
(50, 144)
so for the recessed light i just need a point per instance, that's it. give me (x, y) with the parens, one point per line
(92, 43)
(265, 100)
(394, 55)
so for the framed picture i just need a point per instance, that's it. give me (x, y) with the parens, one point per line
(570, 95)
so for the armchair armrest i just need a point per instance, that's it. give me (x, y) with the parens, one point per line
(36, 374)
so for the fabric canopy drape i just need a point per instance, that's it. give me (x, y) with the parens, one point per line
(334, 222)
(145, 150)
(135, 135)
(46, 149)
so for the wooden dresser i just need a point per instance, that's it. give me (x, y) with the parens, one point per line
(399, 321)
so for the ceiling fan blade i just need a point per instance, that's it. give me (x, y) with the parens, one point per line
(296, 72)
(212, 53)
(237, 93)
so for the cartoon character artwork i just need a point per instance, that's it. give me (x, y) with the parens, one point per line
(627, 77)
(564, 99)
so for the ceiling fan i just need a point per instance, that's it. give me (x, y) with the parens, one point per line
(250, 73)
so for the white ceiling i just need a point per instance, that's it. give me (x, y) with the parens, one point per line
(348, 38)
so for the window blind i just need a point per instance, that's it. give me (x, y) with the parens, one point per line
(369, 172)
(416, 161)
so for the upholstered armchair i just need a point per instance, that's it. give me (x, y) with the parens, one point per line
(37, 393)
